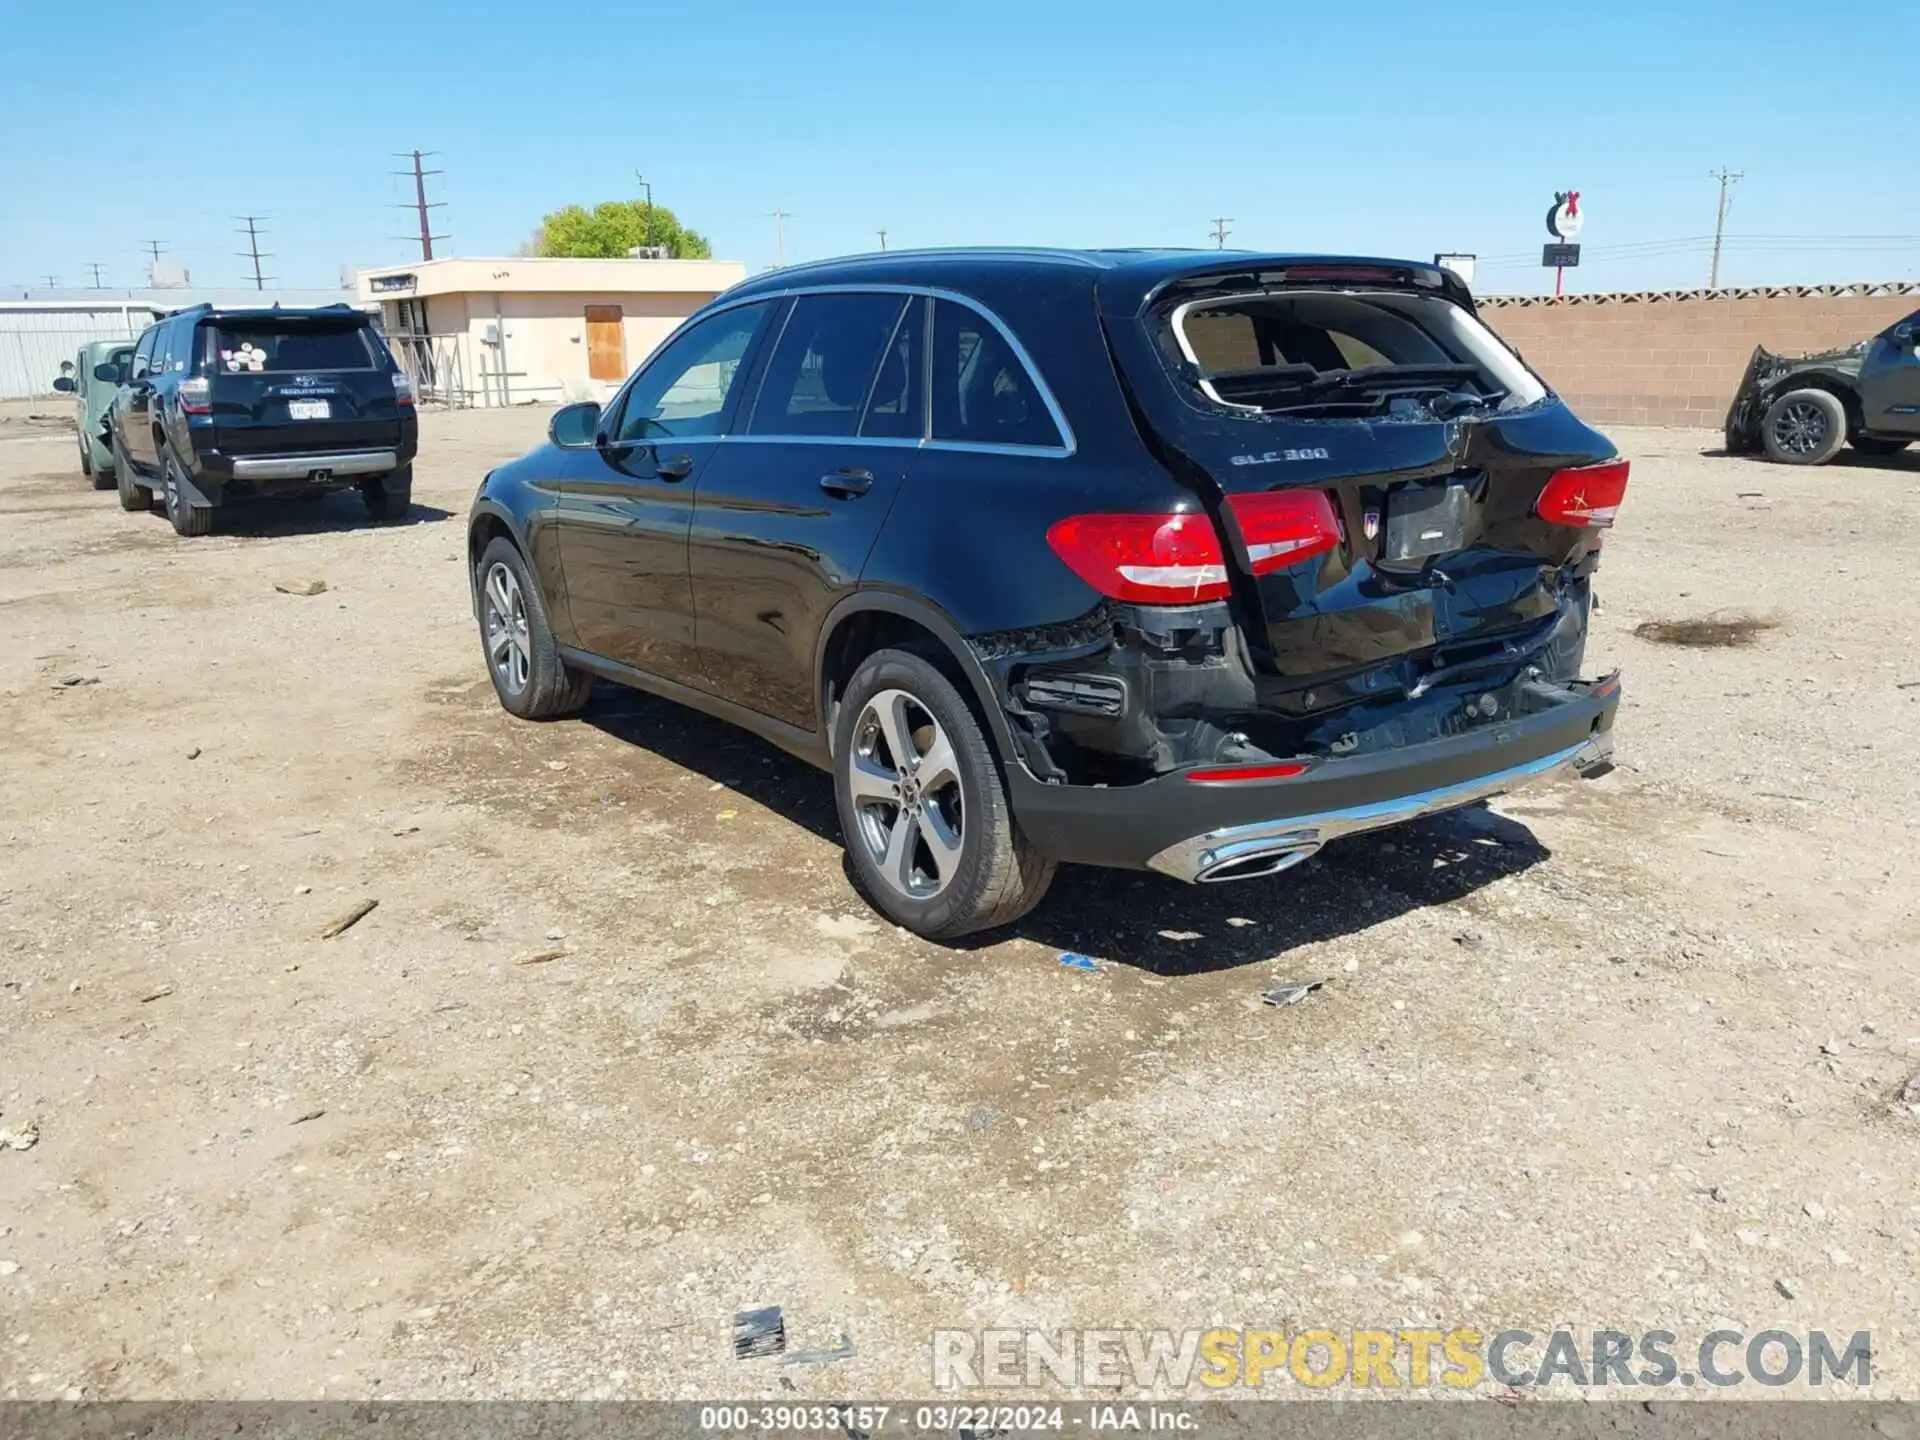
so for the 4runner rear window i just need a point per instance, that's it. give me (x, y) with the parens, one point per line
(272, 348)
(1344, 354)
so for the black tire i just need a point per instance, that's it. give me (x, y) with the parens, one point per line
(998, 876)
(188, 519)
(86, 458)
(103, 475)
(551, 688)
(1868, 445)
(391, 497)
(1805, 427)
(133, 496)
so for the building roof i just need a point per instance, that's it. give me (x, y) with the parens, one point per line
(524, 274)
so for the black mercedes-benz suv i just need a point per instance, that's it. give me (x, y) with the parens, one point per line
(219, 404)
(1185, 561)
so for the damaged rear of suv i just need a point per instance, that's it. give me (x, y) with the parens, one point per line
(1373, 607)
(1177, 561)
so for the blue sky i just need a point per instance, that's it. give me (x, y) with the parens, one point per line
(1392, 126)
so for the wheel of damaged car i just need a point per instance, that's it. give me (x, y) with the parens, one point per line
(523, 658)
(86, 457)
(923, 809)
(1805, 427)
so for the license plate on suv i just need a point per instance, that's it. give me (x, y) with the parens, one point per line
(309, 410)
(1425, 520)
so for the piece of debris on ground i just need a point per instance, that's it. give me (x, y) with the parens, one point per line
(758, 1332)
(1074, 960)
(301, 587)
(1290, 992)
(347, 921)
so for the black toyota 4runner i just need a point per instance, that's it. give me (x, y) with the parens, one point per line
(220, 404)
(1190, 562)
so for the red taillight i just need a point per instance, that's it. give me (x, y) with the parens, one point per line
(1588, 496)
(402, 388)
(1284, 527)
(196, 396)
(1246, 772)
(1177, 559)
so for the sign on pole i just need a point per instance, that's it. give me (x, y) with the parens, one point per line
(1565, 220)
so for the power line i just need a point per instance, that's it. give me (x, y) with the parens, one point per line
(1728, 179)
(780, 217)
(420, 204)
(1220, 231)
(253, 251)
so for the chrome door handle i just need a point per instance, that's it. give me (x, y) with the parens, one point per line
(849, 483)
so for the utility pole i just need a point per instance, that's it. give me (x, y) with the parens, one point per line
(647, 185)
(152, 247)
(420, 205)
(883, 239)
(1220, 231)
(96, 268)
(52, 282)
(252, 252)
(780, 217)
(1728, 179)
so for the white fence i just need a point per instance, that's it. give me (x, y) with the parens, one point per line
(36, 336)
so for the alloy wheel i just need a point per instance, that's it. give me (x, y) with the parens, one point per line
(905, 781)
(504, 615)
(1800, 428)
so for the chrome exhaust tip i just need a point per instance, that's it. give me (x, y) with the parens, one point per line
(1242, 862)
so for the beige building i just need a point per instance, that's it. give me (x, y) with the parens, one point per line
(504, 332)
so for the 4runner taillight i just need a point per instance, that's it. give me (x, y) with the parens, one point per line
(1588, 496)
(1177, 559)
(402, 388)
(196, 395)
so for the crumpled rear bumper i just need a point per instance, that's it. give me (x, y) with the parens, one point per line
(1209, 831)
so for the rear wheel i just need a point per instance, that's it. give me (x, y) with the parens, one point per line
(923, 808)
(86, 457)
(523, 658)
(187, 518)
(132, 496)
(1867, 445)
(1805, 427)
(389, 498)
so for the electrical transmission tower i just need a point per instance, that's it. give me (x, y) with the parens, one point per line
(253, 251)
(1728, 179)
(420, 204)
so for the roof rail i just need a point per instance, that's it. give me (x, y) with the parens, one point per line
(948, 252)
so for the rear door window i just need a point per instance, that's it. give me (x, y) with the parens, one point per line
(143, 355)
(897, 399)
(982, 392)
(823, 368)
(253, 347)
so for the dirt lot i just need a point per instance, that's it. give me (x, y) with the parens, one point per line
(1661, 1086)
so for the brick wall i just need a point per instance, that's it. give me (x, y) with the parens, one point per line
(1674, 357)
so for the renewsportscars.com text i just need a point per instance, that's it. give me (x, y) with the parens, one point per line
(1461, 1358)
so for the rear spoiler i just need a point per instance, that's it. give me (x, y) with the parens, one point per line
(1281, 272)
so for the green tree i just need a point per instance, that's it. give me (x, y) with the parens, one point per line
(612, 228)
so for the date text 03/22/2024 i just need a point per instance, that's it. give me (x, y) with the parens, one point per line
(858, 1420)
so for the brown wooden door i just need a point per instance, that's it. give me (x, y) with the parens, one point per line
(606, 343)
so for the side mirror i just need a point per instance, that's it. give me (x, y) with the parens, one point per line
(64, 385)
(1904, 332)
(573, 426)
(108, 373)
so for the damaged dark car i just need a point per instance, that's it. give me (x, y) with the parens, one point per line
(1804, 409)
(1181, 561)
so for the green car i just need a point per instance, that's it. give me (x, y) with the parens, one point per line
(99, 369)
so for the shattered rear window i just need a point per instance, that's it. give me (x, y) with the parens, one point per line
(1342, 353)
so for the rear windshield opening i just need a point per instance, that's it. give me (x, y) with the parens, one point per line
(277, 347)
(1337, 354)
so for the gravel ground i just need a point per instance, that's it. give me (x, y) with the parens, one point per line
(619, 1052)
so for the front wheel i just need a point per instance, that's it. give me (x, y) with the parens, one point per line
(132, 496)
(523, 658)
(1805, 427)
(923, 808)
(1867, 445)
